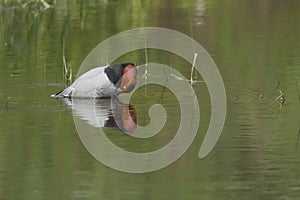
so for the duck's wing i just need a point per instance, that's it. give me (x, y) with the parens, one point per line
(94, 87)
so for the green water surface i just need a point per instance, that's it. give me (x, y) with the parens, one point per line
(255, 45)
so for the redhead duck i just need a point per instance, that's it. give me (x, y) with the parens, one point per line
(102, 82)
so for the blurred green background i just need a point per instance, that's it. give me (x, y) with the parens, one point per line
(256, 47)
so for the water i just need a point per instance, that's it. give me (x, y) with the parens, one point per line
(255, 46)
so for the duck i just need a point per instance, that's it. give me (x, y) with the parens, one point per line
(100, 82)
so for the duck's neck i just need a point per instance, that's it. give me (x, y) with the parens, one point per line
(114, 72)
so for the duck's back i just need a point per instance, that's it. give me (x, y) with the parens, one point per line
(92, 84)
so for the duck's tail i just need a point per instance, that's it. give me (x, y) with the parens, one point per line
(65, 93)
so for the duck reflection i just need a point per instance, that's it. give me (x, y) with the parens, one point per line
(108, 112)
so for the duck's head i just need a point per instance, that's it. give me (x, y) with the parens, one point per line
(128, 79)
(123, 76)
